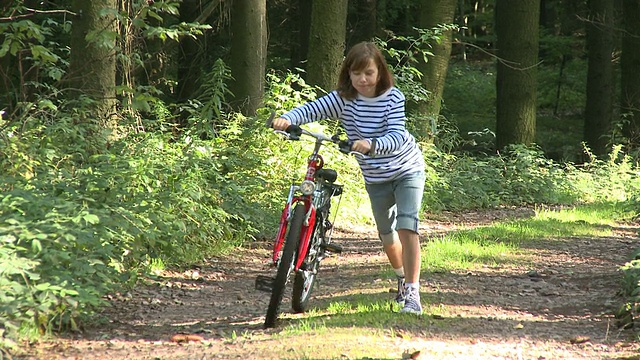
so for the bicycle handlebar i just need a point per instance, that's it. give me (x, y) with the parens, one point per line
(293, 132)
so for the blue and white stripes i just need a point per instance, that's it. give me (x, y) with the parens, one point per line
(382, 118)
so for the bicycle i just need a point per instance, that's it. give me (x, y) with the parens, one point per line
(304, 233)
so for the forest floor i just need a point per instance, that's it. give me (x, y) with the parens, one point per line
(558, 306)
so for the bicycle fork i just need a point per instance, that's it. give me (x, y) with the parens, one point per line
(265, 283)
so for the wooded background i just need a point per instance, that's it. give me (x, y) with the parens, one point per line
(132, 132)
(122, 55)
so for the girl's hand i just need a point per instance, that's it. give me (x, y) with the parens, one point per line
(280, 124)
(361, 146)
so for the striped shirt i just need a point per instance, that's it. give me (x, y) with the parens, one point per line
(383, 118)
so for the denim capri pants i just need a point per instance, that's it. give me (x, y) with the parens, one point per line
(396, 204)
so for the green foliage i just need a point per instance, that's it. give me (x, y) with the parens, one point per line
(561, 87)
(61, 254)
(287, 91)
(405, 58)
(403, 62)
(522, 175)
(629, 311)
(34, 61)
(469, 95)
(78, 226)
(519, 176)
(205, 111)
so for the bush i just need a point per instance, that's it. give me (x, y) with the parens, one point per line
(523, 175)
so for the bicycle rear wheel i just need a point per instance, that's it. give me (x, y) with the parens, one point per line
(285, 266)
(302, 286)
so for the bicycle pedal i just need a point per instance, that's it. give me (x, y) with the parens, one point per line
(264, 283)
(332, 248)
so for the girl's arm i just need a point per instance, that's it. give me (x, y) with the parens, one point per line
(325, 107)
(396, 134)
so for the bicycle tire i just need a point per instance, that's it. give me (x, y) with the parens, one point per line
(284, 269)
(306, 279)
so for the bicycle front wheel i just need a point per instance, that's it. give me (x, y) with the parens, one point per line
(286, 264)
(305, 279)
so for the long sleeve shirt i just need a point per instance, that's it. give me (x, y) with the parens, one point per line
(381, 118)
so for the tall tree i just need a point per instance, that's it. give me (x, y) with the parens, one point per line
(248, 53)
(516, 84)
(629, 65)
(600, 80)
(92, 68)
(188, 69)
(299, 42)
(362, 21)
(326, 42)
(432, 14)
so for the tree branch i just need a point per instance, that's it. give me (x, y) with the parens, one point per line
(510, 64)
(33, 12)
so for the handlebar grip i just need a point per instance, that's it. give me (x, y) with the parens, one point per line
(345, 146)
(294, 132)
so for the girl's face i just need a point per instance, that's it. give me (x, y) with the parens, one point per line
(365, 80)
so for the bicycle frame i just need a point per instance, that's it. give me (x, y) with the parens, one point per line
(315, 163)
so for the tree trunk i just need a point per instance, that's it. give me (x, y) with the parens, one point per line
(327, 42)
(363, 21)
(300, 37)
(248, 53)
(188, 70)
(630, 74)
(92, 69)
(600, 80)
(432, 14)
(516, 84)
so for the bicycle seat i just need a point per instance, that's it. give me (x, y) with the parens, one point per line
(329, 175)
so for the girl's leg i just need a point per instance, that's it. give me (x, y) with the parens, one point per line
(408, 194)
(410, 248)
(383, 205)
(394, 253)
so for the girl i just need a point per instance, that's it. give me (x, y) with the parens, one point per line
(372, 112)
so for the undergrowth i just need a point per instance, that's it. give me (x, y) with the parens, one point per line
(628, 313)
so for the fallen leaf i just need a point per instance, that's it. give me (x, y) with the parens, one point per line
(579, 339)
(180, 338)
(621, 344)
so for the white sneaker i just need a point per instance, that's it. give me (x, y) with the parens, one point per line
(412, 302)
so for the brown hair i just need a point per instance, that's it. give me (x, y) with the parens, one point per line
(358, 59)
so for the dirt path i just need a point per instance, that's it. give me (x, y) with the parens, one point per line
(557, 307)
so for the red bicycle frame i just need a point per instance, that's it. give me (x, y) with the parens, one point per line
(315, 163)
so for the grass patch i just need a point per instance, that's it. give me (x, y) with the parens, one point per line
(464, 250)
(499, 243)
